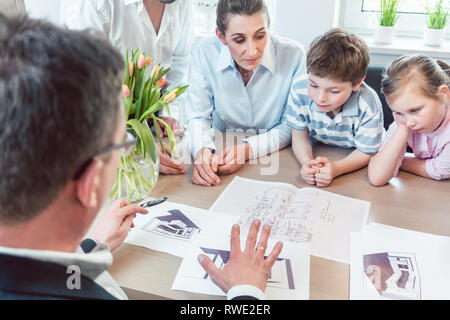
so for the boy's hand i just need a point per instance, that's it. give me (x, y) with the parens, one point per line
(308, 172)
(113, 226)
(327, 171)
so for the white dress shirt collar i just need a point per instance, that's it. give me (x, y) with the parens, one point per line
(140, 6)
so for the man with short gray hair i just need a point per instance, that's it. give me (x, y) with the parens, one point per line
(62, 127)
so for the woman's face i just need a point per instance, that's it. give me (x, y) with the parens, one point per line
(246, 37)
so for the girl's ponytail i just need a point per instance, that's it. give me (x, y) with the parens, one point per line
(444, 66)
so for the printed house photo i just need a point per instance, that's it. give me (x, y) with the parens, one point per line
(394, 275)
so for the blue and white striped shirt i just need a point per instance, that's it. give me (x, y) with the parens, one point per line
(359, 124)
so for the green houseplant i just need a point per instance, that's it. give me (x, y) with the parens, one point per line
(437, 15)
(387, 20)
(143, 98)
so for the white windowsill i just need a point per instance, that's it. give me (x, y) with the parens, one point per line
(404, 45)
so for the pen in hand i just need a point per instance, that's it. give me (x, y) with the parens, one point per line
(152, 203)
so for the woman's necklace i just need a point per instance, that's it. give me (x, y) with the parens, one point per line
(246, 74)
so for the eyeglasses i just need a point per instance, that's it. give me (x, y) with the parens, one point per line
(126, 147)
(167, 1)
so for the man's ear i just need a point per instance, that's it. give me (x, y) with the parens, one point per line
(356, 86)
(220, 36)
(88, 185)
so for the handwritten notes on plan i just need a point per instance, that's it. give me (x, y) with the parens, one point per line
(322, 218)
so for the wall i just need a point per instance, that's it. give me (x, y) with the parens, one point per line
(43, 9)
(297, 19)
(305, 20)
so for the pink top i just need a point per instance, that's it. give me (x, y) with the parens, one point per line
(434, 147)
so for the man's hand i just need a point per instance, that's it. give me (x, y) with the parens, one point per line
(173, 124)
(113, 226)
(205, 168)
(166, 164)
(248, 267)
(233, 158)
(327, 171)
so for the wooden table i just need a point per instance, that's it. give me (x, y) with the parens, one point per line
(408, 201)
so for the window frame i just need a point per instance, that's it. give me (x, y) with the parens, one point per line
(409, 25)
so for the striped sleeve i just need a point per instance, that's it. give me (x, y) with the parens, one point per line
(370, 131)
(298, 103)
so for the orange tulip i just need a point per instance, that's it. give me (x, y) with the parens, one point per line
(170, 97)
(131, 68)
(155, 72)
(126, 91)
(162, 82)
(148, 60)
(141, 61)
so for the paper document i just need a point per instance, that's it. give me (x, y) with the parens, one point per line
(289, 278)
(389, 263)
(172, 227)
(321, 218)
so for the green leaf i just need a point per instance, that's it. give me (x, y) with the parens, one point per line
(169, 132)
(182, 90)
(162, 73)
(155, 125)
(154, 108)
(145, 138)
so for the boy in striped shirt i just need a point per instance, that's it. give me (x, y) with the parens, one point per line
(332, 105)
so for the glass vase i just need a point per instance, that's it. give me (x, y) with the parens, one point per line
(136, 177)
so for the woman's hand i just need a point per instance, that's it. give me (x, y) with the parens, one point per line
(234, 158)
(174, 124)
(205, 168)
(166, 164)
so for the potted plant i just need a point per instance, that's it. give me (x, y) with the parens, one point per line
(437, 20)
(138, 171)
(385, 32)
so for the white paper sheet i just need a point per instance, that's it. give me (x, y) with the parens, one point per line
(289, 277)
(173, 228)
(391, 263)
(310, 215)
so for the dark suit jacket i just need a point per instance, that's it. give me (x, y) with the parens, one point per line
(30, 279)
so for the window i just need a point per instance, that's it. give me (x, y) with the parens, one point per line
(204, 15)
(360, 16)
(410, 6)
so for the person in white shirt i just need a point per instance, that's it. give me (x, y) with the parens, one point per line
(161, 29)
(239, 80)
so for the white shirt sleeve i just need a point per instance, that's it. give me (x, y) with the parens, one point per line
(273, 140)
(94, 15)
(179, 68)
(245, 290)
(199, 107)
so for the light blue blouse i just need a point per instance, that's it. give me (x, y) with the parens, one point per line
(217, 97)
